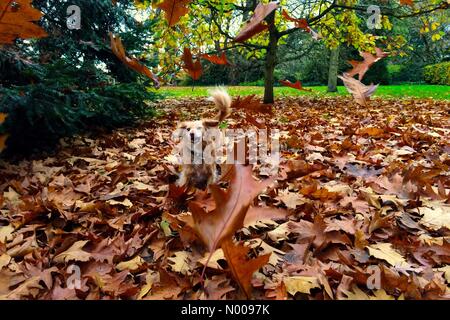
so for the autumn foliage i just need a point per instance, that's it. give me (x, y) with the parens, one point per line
(367, 190)
(17, 20)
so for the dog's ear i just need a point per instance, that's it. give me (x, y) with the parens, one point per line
(210, 123)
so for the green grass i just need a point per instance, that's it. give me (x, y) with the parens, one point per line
(393, 91)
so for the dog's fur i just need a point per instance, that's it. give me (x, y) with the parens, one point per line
(202, 175)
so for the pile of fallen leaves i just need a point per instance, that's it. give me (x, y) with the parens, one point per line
(360, 209)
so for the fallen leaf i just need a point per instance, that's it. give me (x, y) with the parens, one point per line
(300, 284)
(74, 253)
(241, 266)
(386, 252)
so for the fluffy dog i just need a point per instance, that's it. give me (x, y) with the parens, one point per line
(201, 174)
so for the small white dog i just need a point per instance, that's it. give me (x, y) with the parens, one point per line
(201, 174)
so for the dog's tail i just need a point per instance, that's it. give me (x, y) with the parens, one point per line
(222, 100)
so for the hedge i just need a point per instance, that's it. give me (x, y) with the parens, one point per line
(437, 73)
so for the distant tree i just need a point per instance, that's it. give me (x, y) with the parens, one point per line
(211, 26)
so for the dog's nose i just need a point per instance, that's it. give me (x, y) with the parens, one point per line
(192, 135)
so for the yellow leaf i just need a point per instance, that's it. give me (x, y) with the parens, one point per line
(301, 284)
(6, 233)
(384, 251)
(4, 260)
(125, 203)
(132, 264)
(436, 37)
(213, 261)
(436, 215)
(181, 263)
(150, 278)
(75, 252)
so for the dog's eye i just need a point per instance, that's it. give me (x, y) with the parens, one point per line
(188, 129)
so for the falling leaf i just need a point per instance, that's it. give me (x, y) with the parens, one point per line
(193, 68)
(299, 23)
(361, 93)
(298, 85)
(256, 24)
(407, 2)
(220, 60)
(174, 10)
(17, 21)
(360, 67)
(133, 63)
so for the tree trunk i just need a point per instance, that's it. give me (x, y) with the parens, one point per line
(333, 70)
(271, 60)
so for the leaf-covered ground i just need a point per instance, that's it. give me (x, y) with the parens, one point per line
(366, 192)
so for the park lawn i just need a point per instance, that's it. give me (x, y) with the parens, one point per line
(438, 92)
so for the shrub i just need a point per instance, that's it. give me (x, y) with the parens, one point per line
(437, 73)
(70, 81)
(62, 105)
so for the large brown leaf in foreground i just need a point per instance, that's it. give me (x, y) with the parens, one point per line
(231, 206)
(133, 63)
(241, 266)
(256, 24)
(16, 21)
(174, 10)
